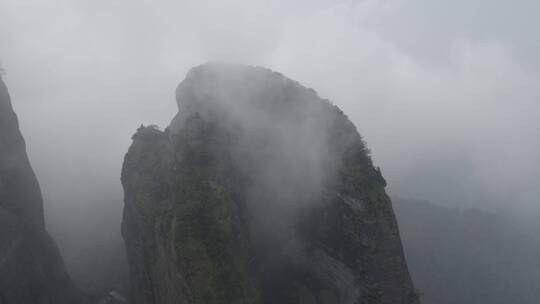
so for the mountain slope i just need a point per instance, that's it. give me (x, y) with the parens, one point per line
(470, 256)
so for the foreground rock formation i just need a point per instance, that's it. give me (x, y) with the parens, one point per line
(31, 268)
(258, 192)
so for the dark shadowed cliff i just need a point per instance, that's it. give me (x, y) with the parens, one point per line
(258, 192)
(31, 268)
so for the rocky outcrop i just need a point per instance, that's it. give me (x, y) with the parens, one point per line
(31, 268)
(258, 192)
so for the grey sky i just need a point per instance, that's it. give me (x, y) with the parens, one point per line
(446, 93)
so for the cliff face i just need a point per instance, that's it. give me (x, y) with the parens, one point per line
(20, 193)
(258, 192)
(31, 268)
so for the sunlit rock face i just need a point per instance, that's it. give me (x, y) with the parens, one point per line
(31, 268)
(258, 192)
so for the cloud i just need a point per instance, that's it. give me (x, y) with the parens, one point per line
(445, 108)
(476, 108)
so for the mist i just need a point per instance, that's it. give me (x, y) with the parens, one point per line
(446, 95)
(284, 148)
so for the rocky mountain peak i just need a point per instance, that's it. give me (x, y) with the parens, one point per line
(258, 192)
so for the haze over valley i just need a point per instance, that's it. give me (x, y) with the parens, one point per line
(444, 96)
